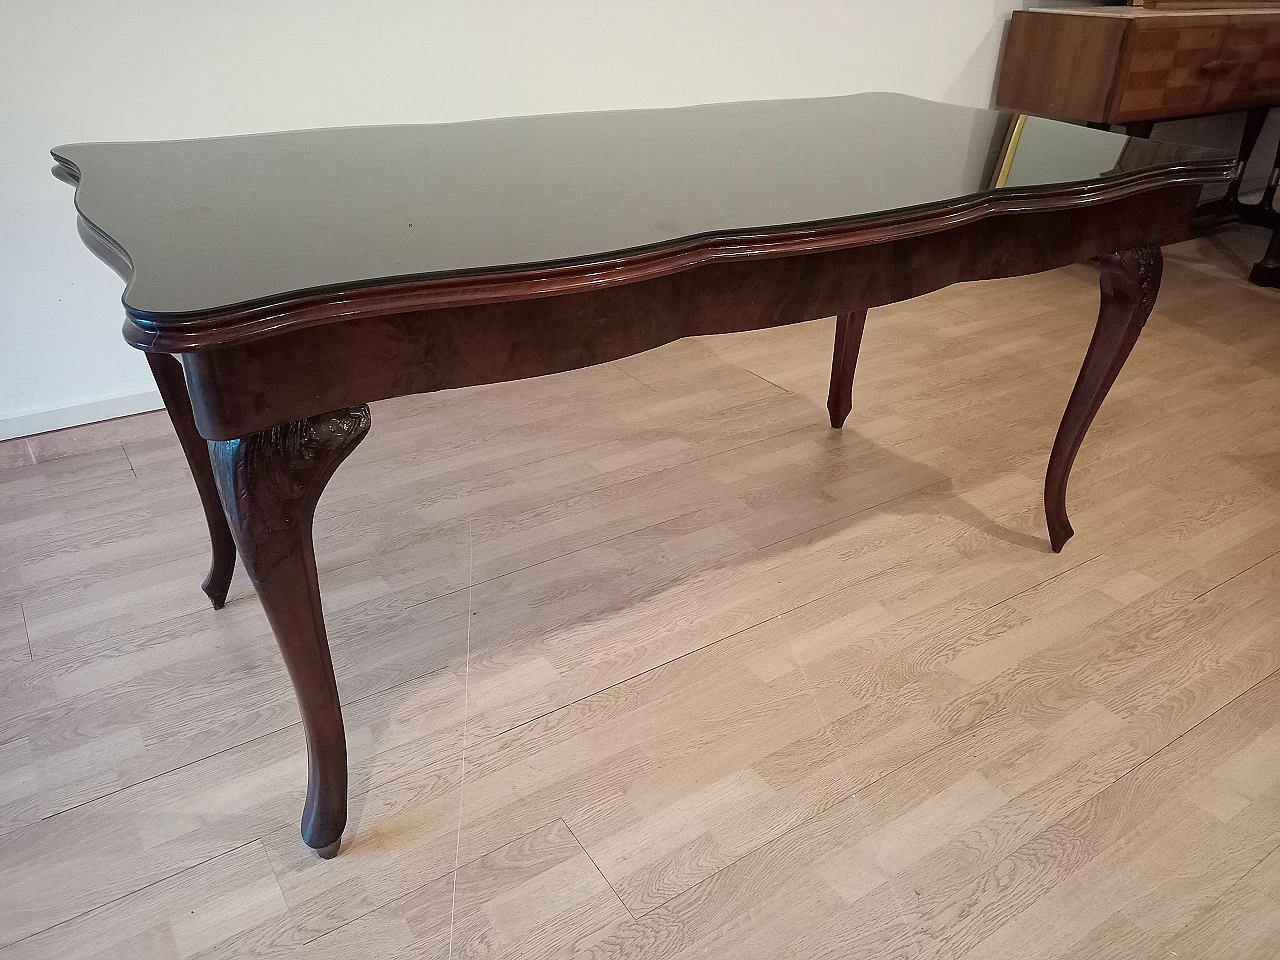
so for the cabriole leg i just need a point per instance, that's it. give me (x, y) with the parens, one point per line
(843, 362)
(270, 483)
(1130, 282)
(173, 390)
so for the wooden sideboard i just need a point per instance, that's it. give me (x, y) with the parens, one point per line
(1134, 66)
(1125, 65)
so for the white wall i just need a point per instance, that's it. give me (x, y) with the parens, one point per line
(151, 69)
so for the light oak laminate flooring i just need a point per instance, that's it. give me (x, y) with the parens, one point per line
(646, 661)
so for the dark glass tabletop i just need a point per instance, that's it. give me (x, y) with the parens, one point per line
(209, 224)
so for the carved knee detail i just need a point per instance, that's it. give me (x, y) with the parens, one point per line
(1133, 276)
(271, 481)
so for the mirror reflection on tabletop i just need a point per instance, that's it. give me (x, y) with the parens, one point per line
(214, 223)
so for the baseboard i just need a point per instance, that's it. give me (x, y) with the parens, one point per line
(46, 420)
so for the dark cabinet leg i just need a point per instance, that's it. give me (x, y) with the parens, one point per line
(1266, 272)
(1130, 281)
(1253, 123)
(270, 483)
(845, 360)
(173, 390)
(1267, 205)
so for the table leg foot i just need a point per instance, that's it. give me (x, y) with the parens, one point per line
(167, 371)
(329, 852)
(270, 483)
(843, 363)
(1129, 284)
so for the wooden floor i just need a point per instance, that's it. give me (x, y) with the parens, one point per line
(646, 661)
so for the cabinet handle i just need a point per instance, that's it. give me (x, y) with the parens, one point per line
(1220, 66)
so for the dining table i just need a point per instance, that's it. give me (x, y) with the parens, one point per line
(278, 283)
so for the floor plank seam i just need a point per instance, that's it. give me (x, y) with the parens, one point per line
(236, 746)
(462, 760)
(131, 893)
(751, 626)
(1241, 573)
(129, 460)
(408, 894)
(26, 631)
(801, 824)
(648, 670)
(760, 376)
(616, 366)
(1207, 908)
(508, 467)
(656, 474)
(598, 870)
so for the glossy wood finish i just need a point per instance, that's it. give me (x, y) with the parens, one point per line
(844, 362)
(1120, 65)
(1250, 64)
(279, 379)
(1130, 281)
(1060, 67)
(270, 483)
(263, 367)
(1168, 67)
(597, 198)
(173, 390)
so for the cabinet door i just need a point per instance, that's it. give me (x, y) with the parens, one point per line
(1162, 67)
(1247, 73)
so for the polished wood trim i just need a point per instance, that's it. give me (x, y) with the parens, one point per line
(197, 332)
(246, 386)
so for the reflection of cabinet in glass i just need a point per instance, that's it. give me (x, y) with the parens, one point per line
(1123, 65)
(1108, 65)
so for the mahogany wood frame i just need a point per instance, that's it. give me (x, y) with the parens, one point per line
(271, 398)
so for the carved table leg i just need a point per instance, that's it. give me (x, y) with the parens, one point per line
(173, 390)
(270, 483)
(1130, 281)
(845, 360)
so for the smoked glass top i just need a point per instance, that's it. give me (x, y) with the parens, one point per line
(209, 224)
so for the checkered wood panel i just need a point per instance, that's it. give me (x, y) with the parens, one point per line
(1164, 72)
(1255, 45)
